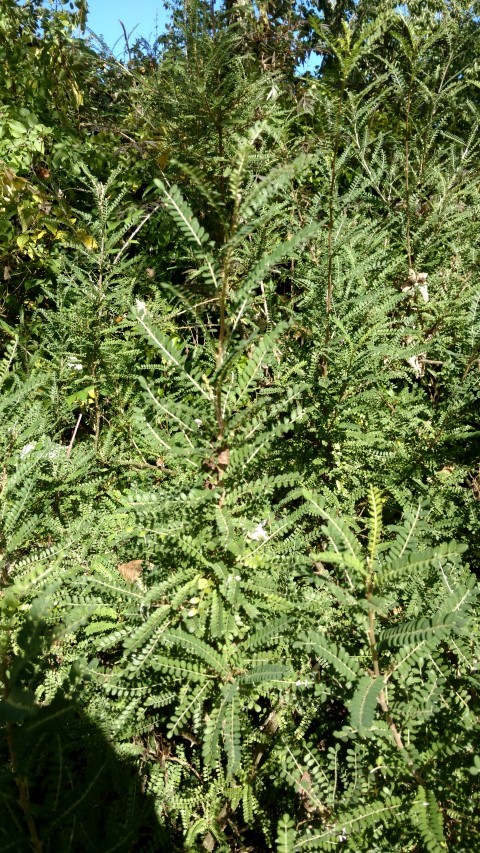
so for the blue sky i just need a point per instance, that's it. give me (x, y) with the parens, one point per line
(104, 17)
(142, 16)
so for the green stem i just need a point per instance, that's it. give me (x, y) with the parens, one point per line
(407, 177)
(333, 179)
(382, 699)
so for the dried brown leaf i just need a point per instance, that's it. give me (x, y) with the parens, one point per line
(131, 571)
(224, 457)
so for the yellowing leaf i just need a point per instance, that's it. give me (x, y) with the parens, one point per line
(81, 398)
(162, 159)
(77, 94)
(22, 240)
(88, 241)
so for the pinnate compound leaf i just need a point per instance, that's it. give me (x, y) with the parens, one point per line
(364, 702)
(345, 665)
(409, 563)
(351, 824)
(285, 835)
(426, 814)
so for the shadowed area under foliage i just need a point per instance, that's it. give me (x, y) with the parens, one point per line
(67, 788)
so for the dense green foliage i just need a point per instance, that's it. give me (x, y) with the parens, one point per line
(240, 466)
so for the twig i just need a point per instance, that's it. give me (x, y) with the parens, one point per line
(134, 233)
(126, 40)
(69, 448)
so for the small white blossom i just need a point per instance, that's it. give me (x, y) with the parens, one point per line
(416, 280)
(140, 306)
(73, 363)
(259, 534)
(28, 448)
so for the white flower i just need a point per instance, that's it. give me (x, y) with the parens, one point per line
(259, 534)
(416, 280)
(28, 448)
(73, 363)
(140, 306)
